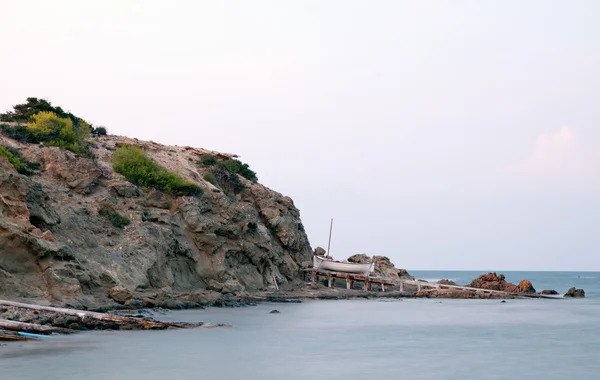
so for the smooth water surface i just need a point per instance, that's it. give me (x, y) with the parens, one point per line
(366, 339)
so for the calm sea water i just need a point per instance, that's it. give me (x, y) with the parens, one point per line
(366, 339)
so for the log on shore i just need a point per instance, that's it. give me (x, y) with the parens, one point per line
(94, 320)
(33, 328)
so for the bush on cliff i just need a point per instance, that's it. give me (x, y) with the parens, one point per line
(135, 165)
(115, 218)
(231, 165)
(20, 164)
(24, 112)
(47, 124)
(224, 173)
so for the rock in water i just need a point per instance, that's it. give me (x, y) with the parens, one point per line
(549, 292)
(446, 282)
(575, 293)
(492, 281)
(525, 286)
(275, 312)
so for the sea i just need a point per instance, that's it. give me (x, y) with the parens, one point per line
(345, 339)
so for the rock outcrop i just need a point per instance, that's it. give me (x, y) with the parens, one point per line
(549, 292)
(492, 281)
(525, 286)
(446, 282)
(575, 293)
(57, 246)
(383, 266)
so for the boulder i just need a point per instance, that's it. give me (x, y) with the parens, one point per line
(275, 312)
(492, 281)
(119, 294)
(548, 292)
(320, 251)
(232, 286)
(525, 286)
(404, 275)
(575, 293)
(360, 258)
(383, 266)
(126, 189)
(48, 236)
(446, 282)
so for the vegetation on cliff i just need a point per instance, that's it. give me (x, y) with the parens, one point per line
(115, 218)
(50, 125)
(224, 173)
(135, 165)
(20, 164)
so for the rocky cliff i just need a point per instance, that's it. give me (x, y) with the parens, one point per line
(58, 246)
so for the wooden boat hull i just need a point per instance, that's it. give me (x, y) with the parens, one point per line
(322, 263)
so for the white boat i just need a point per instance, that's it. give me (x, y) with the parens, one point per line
(327, 263)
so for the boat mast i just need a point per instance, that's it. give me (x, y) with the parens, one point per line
(329, 243)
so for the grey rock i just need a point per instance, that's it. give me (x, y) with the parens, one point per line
(575, 293)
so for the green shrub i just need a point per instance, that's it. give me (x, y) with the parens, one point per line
(100, 131)
(60, 131)
(237, 167)
(208, 160)
(135, 165)
(224, 173)
(48, 124)
(210, 177)
(24, 112)
(229, 182)
(19, 133)
(20, 164)
(115, 218)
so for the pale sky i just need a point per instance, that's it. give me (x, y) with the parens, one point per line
(443, 134)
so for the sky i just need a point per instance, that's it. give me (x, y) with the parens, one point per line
(443, 134)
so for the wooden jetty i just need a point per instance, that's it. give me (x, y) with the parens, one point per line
(400, 285)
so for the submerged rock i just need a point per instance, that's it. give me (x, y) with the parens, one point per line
(275, 312)
(548, 292)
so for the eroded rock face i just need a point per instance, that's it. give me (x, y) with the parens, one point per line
(57, 247)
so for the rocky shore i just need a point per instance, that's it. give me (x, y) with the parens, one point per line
(76, 232)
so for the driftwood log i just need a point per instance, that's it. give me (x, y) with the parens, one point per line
(33, 328)
(85, 320)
